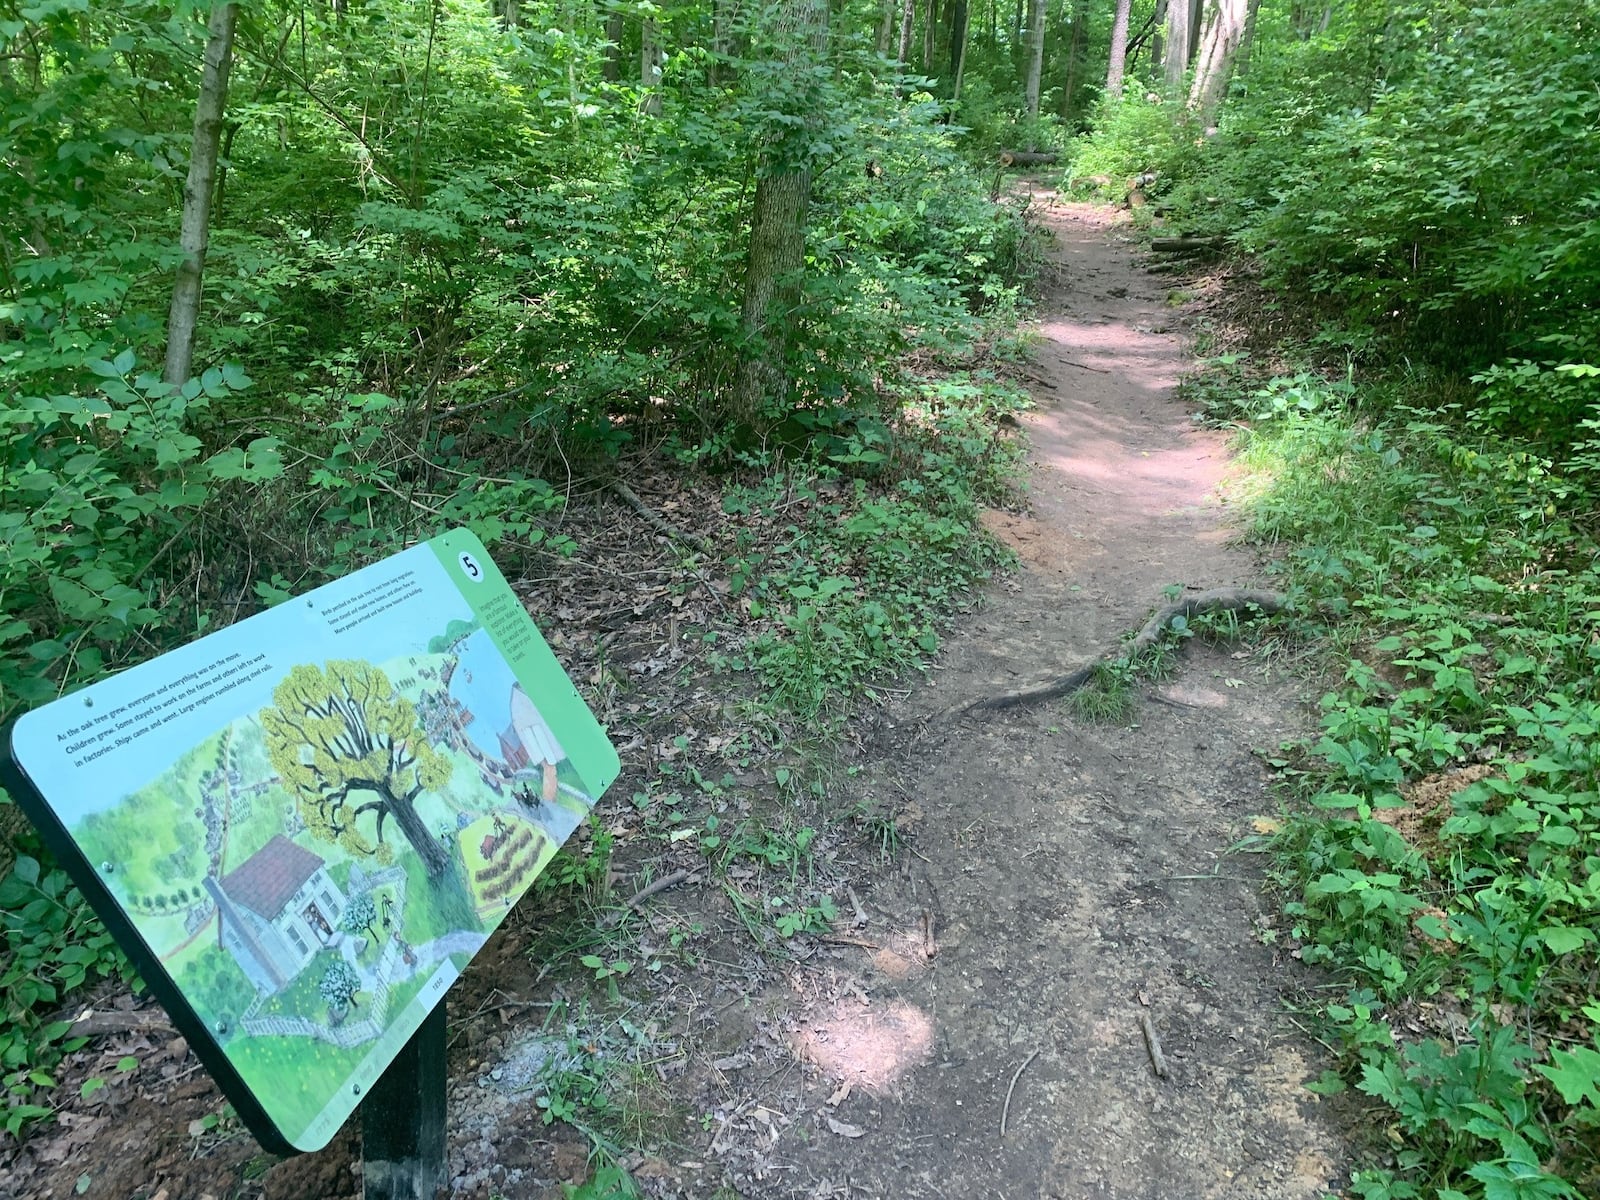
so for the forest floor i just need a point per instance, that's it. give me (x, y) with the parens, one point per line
(1020, 894)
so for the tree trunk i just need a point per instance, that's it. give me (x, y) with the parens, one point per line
(773, 280)
(1075, 52)
(1036, 15)
(908, 16)
(958, 45)
(1248, 40)
(1224, 29)
(195, 227)
(930, 37)
(1119, 48)
(650, 67)
(1176, 60)
(611, 60)
(886, 27)
(435, 858)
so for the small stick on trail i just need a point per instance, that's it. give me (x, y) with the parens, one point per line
(1005, 1111)
(1158, 1061)
(647, 891)
(1216, 600)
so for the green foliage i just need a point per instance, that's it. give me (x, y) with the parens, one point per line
(450, 261)
(53, 947)
(1465, 596)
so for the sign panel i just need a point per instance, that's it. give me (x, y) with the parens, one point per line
(304, 826)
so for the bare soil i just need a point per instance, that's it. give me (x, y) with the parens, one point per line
(1022, 894)
(1077, 878)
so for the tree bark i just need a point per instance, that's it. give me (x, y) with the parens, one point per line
(650, 67)
(1176, 60)
(886, 27)
(958, 45)
(611, 60)
(1075, 52)
(195, 225)
(1248, 40)
(1119, 48)
(1027, 158)
(1219, 45)
(908, 16)
(1036, 15)
(930, 37)
(773, 281)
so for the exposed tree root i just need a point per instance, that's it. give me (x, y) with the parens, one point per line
(653, 519)
(1216, 600)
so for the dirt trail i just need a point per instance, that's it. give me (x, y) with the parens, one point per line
(1058, 860)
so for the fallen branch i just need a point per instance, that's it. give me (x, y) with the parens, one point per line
(1067, 362)
(1027, 158)
(653, 519)
(1005, 1111)
(115, 1020)
(1186, 245)
(646, 892)
(1158, 1061)
(1216, 600)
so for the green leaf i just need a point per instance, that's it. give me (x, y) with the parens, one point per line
(90, 1086)
(1564, 939)
(1576, 1074)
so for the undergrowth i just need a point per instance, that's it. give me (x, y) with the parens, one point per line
(1441, 853)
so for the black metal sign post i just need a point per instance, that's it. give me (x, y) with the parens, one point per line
(402, 1120)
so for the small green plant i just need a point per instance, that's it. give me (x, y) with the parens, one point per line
(608, 972)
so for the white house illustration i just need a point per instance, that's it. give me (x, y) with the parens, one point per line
(529, 741)
(275, 910)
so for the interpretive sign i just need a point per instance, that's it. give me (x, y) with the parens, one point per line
(304, 826)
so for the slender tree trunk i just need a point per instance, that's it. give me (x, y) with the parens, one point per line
(650, 67)
(886, 27)
(1158, 36)
(195, 226)
(1248, 41)
(930, 37)
(1036, 15)
(611, 60)
(773, 280)
(1219, 44)
(1176, 61)
(958, 45)
(1075, 51)
(908, 16)
(1119, 48)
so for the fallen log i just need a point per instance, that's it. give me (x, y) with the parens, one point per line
(1186, 245)
(1027, 158)
(1217, 600)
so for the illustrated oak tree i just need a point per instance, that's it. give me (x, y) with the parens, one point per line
(353, 753)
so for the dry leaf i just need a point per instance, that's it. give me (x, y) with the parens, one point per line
(841, 1095)
(1264, 825)
(846, 1130)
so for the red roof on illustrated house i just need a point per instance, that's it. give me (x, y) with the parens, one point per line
(270, 877)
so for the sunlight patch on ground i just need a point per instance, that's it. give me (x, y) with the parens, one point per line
(867, 1046)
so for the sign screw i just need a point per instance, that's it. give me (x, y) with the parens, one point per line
(355, 1089)
(106, 867)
